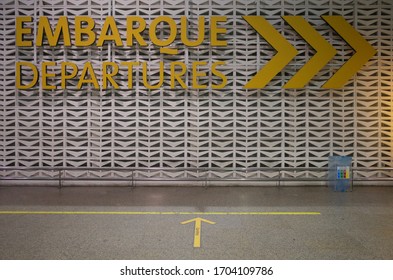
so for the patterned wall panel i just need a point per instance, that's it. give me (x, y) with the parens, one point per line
(230, 127)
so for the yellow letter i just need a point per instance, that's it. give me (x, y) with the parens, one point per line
(53, 38)
(215, 31)
(131, 33)
(64, 75)
(109, 25)
(93, 79)
(201, 32)
(219, 74)
(153, 31)
(18, 75)
(130, 64)
(88, 31)
(45, 74)
(177, 75)
(20, 31)
(144, 73)
(196, 74)
(109, 76)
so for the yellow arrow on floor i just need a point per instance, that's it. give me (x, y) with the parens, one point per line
(324, 52)
(198, 229)
(364, 51)
(285, 52)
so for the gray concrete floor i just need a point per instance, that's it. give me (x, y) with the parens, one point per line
(355, 225)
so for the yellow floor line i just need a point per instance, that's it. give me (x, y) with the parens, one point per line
(148, 213)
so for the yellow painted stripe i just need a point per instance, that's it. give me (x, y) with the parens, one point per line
(148, 213)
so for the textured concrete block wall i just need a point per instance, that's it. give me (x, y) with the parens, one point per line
(230, 127)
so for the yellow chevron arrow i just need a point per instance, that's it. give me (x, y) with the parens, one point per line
(324, 52)
(197, 230)
(285, 52)
(364, 51)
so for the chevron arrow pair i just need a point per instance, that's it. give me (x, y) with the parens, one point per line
(324, 52)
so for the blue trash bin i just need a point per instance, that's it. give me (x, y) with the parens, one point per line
(340, 172)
